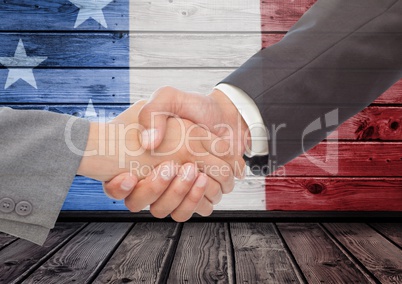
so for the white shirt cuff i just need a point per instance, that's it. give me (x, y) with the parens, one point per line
(252, 116)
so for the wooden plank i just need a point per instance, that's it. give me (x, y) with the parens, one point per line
(198, 15)
(87, 194)
(113, 85)
(392, 231)
(277, 15)
(82, 258)
(69, 86)
(22, 257)
(332, 158)
(190, 50)
(145, 82)
(71, 49)
(145, 255)
(320, 260)
(203, 255)
(45, 15)
(6, 239)
(376, 253)
(334, 194)
(373, 123)
(260, 255)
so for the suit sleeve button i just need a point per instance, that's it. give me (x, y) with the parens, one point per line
(7, 205)
(23, 208)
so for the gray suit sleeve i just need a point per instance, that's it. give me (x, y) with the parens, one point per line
(37, 167)
(335, 61)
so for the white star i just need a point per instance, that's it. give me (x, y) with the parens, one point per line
(21, 66)
(90, 9)
(90, 111)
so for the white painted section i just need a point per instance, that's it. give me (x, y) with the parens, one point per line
(193, 45)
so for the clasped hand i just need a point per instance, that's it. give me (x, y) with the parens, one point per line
(185, 171)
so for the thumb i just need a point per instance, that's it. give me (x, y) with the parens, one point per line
(153, 116)
(120, 186)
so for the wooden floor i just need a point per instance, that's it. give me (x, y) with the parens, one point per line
(207, 253)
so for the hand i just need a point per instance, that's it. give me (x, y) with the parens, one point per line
(215, 112)
(198, 195)
(100, 167)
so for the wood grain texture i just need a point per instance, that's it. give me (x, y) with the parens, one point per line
(199, 15)
(70, 86)
(320, 260)
(82, 257)
(113, 85)
(202, 255)
(369, 159)
(45, 15)
(334, 194)
(277, 15)
(373, 123)
(260, 255)
(392, 231)
(6, 239)
(191, 50)
(377, 254)
(144, 256)
(87, 194)
(22, 257)
(71, 49)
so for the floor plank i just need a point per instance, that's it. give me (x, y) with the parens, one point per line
(82, 257)
(22, 257)
(376, 253)
(392, 231)
(260, 255)
(144, 256)
(319, 258)
(6, 239)
(202, 255)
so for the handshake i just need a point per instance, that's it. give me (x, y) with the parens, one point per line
(178, 152)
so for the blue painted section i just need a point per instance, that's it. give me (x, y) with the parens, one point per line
(83, 63)
(83, 50)
(87, 195)
(69, 86)
(45, 15)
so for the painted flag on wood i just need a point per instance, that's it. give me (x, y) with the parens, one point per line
(93, 58)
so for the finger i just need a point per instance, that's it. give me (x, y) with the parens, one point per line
(153, 116)
(176, 192)
(190, 203)
(120, 186)
(151, 188)
(205, 208)
(213, 192)
(227, 152)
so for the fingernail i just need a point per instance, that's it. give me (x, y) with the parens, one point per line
(127, 184)
(188, 174)
(167, 172)
(201, 181)
(148, 137)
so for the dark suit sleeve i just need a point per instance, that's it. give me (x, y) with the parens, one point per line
(336, 60)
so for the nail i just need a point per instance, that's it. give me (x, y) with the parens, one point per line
(148, 137)
(188, 173)
(201, 181)
(167, 172)
(127, 184)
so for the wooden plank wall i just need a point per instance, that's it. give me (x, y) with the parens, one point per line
(193, 45)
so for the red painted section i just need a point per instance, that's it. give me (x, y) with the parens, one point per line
(368, 174)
